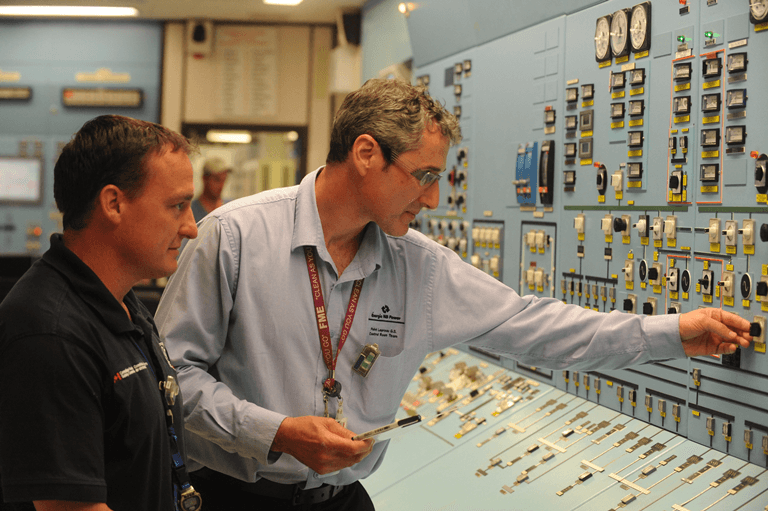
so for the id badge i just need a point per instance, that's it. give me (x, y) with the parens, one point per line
(366, 359)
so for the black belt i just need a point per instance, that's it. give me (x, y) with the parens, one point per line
(292, 493)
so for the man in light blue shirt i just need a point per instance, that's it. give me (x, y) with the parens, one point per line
(270, 275)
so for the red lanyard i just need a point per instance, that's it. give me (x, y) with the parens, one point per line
(322, 318)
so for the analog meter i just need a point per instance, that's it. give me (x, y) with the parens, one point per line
(640, 28)
(620, 32)
(758, 11)
(602, 38)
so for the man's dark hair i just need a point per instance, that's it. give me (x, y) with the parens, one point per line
(110, 149)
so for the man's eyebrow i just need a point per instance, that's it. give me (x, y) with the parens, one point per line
(181, 197)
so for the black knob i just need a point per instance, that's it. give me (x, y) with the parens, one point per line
(599, 179)
(755, 329)
(764, 232)
(762, 289)
(674, 182)
(647, 308)
(627, 304)
(671, 310)
(619, 224)
(653, 273)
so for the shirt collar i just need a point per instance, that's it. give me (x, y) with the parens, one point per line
(308, 231)
(90, 288)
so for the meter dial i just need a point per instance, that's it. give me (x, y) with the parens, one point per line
(640, 28)
(758, 10)
(603, 38)
(620, 32)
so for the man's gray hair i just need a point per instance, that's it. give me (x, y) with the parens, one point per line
(394, 113)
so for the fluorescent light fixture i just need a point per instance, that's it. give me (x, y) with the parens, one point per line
(282, 2)
(61, 10)
(228, 136)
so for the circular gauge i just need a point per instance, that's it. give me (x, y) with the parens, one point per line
(758, 10)
(619, 33)
(602, 38)
(640, 28)
(746, 286)
(685, 281)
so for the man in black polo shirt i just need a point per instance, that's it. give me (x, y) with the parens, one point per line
(89, 416)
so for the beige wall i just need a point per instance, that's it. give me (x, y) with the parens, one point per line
(193, 87)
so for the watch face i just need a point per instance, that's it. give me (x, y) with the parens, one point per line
(619, 29)
(639, 29)
(602, 38)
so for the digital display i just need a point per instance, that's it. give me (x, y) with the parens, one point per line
(21, 180)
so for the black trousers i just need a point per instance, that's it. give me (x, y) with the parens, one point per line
(222, 493)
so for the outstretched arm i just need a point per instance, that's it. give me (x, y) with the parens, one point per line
(713, 332)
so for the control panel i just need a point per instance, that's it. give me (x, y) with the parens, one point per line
(621, 148)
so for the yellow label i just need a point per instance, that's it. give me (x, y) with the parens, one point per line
(710, 154)
(695, 413)
(637, 91)
(762, 197)
(707, 298)
(586, 162)
(677, 419)
(585, 134)
(710, 120)
(635, 184)
(706, 265)
(617, 95)
(641, 54)
(728, 300)
(621, 60)
(605, 63)
(728, 267)
(662, 413)
(714, 247)
(644, 240)
(615, 125)
(650, 410)
(672, 242)
(760, 347)
(764, 306)
(591, 102)
(673, 295)
(765, 269)
(711, 85)
(619, 195)
(682, 118)
(685, 296)
(730, 249)
(457, 435)
(601, 198)
(533, 251)
(685, 86)
(685, 192)
(636, 152)
(657, 289)
(625, 239)
(609, 238)
(630, 285)
(749, 249)
(635, 123)
(709, 189)
(657, 244)
(540, 289)
(643, 285)
(541, 251)
(672, 132)
(717, 290)
(581, 236)
(746, 304)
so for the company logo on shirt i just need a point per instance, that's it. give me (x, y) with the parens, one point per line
(128, 371)
(386, 316)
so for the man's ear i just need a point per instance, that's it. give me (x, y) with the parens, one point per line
(111, 203)
(366, 154)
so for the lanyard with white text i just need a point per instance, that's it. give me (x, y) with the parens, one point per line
(331, 387)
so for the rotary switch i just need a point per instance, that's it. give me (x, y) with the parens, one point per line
(619, 224)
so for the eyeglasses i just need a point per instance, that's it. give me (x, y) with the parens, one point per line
(425, 177)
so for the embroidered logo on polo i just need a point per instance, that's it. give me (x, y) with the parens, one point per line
(128, 371)
(385, 323)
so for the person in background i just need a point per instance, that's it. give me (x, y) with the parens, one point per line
(90, 414)
(284, 295)
(215, 173)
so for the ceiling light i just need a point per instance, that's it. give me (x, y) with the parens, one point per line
(282, 2)
(228, 136)
(53, 10)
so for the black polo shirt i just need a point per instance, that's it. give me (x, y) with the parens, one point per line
(81, 415)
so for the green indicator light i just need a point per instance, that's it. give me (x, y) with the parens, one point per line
(708, 34)
(681, 38)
